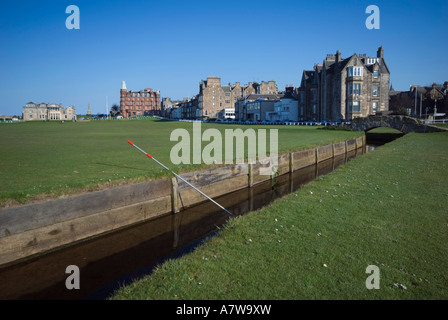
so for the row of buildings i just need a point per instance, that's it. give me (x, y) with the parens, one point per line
(213, 100)
(421, 101)
(338, 88)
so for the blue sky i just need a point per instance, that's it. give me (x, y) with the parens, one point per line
(172, 45)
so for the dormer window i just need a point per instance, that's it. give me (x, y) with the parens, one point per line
(371, 60)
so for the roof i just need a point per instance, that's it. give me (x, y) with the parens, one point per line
(265, 97)
(289, 95)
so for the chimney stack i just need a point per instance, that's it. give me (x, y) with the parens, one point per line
(338, 56)
(380, 52)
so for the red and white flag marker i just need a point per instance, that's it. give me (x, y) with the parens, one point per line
(177, 176)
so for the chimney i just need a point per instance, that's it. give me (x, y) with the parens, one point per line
(380, 52)
(338, 56)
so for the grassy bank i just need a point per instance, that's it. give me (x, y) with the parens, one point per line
(40, 159)
(387, 130)
(387, 208)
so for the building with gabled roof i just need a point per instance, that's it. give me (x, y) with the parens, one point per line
(48, 111)
(214, 97)
(357, 86)
(254, 107)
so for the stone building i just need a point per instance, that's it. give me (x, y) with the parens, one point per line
(168, 105)
(421, 101)
(357, 86)
(286, 109)
(48, 111)
(139, 103)
(255, 107)
(189, 108)
(213, 97)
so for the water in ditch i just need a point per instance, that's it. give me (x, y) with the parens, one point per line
(110, 261)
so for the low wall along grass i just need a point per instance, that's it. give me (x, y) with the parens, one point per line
(387, 208)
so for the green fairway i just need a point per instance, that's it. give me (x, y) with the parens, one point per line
(387, 208)
(384, 130)
(39, 159)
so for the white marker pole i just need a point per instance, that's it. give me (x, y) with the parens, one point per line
(165, 167)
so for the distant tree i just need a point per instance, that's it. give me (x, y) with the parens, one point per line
(115, 110)
(401, 112)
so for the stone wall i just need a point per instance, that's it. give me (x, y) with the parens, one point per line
(402, 123)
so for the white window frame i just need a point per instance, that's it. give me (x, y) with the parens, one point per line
(355, 71)
(374, 106)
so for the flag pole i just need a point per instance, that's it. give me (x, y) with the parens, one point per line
(166, 168)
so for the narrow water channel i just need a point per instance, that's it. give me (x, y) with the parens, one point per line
(109, 261)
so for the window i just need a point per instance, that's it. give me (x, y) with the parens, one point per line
(375, 91)
(374, 107)
(355, 106)
(354, 89)
(354, 71)
(375, 74)
(314, 109)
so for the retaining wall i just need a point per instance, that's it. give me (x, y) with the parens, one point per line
(34, 229)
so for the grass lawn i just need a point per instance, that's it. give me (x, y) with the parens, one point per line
(384, 130)
(40, 159)
(388, 208)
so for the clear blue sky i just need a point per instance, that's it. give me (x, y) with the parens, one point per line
(172, 45)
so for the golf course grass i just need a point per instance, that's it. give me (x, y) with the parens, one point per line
(385, 130)
(388, 208)
(49, 159)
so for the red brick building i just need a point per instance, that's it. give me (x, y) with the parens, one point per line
(139, 103)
